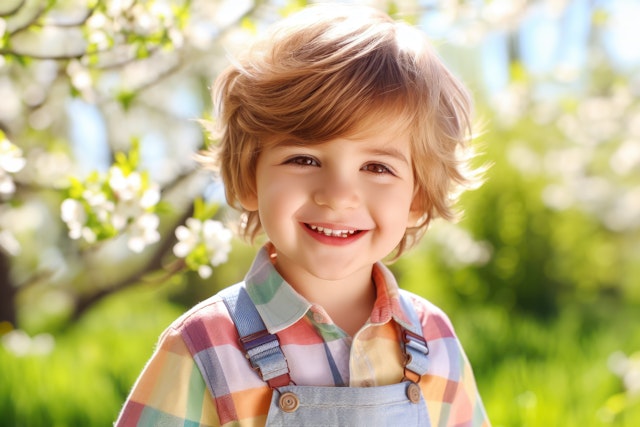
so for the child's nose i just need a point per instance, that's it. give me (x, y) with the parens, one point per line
(337, 192)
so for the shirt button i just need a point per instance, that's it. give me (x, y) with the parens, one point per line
(413, 393)
(289, 402)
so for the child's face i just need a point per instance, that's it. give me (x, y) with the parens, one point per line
(334, 209)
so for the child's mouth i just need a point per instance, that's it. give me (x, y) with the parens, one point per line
(332, 232)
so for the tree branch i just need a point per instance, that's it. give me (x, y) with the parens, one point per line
(14, 10)
(39, 56)
(31, 22)
(86, 301)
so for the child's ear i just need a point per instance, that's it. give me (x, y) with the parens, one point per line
(249, 201)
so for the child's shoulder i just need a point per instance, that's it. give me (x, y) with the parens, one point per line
(209, 318)
(433, 319)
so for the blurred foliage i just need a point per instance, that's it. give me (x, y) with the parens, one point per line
(93, 366)
(540, 276)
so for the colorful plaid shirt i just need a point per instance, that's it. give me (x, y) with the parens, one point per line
(172, 391)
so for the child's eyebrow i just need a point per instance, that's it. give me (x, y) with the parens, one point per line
(286, 143)
(388, 152)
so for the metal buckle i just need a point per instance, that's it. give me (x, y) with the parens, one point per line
(415, 342)
(254, 341)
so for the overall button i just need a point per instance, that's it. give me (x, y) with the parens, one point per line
(289, 402)
(413, 393)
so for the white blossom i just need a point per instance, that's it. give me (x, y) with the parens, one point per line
(74, 215)
(118, 7)
(89, 235)
(99, 203)
(150, 197)
(9, 243)
(80, 76)
(143, 232)
(626, 159)
(11, 161)
(124, 211)
(459, 246)
(125, 187)
(217, 240)
(211, 234)
(205, 271)
(628, 369)
(20, 343)
(188, 237)
(132, 199)
(7, 186)
(128, 205)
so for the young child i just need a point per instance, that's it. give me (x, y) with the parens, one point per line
(342, 138)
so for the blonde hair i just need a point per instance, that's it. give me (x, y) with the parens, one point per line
(332, 71)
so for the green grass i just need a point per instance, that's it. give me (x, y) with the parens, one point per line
(554, 372)
(530, 372)
(86, 378)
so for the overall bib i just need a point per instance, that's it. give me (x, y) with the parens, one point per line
(400, 404)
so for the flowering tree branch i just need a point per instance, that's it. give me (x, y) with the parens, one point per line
(87, 300)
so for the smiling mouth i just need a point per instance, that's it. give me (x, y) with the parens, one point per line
(331, 232)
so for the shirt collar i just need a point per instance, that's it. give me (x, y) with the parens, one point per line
(387, 305)
(280, 306)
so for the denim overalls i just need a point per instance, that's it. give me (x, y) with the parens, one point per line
(399, 404)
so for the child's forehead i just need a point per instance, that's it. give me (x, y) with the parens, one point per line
(383, 124)
(391, 136)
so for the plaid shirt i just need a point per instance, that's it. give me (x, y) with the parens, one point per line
(172, 390)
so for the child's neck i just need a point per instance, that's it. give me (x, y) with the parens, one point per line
(348, 301)
(350, 314)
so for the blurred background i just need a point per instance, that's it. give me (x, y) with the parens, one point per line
(109, 231)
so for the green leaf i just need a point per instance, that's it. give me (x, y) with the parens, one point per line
(248, 25)
(122, 161)
(134, 153)
(202, 210)
(76, 188)
(163, 207)
(5, 41)
(293, 6)
(125, 98)
(142, 51)
(392, 8)
(181, 15)
(518, 72)
(198, 208)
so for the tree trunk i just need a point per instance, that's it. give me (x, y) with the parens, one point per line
(7, 292)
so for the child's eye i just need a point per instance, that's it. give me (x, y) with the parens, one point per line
(377, 168)
(302, 161)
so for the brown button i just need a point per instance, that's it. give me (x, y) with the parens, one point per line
(413, 393)
(289, 402)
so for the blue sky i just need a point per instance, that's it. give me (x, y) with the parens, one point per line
(550, 41)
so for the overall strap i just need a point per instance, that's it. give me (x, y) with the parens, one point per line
(261, 348)
(414, 345)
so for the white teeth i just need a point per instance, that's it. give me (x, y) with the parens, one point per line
(330, 232)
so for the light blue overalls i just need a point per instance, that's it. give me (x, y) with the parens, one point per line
(399, 404)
